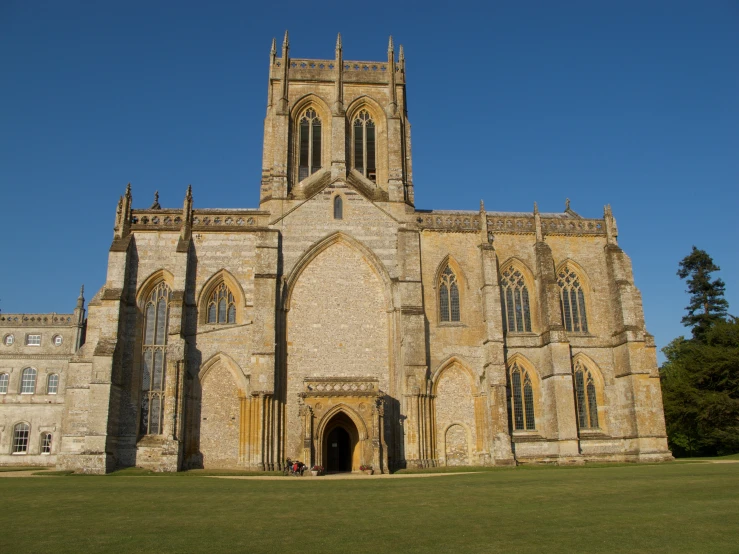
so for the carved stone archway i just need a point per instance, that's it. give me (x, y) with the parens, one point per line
(354, 403)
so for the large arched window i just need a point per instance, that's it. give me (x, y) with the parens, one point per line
(28, 381)
(4, 380)
(310, 144)
(364, 145)
(516, 309)
(572, 299)
(154, 353)
(587, 403)
(221, 305)
(21, 432)
(522, 397)
(448, 296)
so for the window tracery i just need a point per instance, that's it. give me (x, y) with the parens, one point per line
(364, 145)
(587, 403)
(522, 396)
(221, 306)
(448, 296)
(516, 306)
(156, 315)
(310, 144)
(572, 300)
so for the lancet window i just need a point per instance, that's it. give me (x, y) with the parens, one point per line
(221, 306)
(310, 144)
(572, 299)
(587, 403)
(448, 296)
(522, 393)
(338, 207)
(516, 307)
(364, 145)
(154, 358)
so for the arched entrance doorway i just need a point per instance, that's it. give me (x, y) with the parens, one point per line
(340, 444)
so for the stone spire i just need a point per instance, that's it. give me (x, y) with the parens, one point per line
(285, 65)
(611, 227)
(391, 71)
(401, 59)
(339, 82)
(123, 215)
(272, 57)
(186, 231)
(537, 224)
(81, 298)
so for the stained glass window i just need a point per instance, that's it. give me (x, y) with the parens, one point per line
(448, 296)
(364, 145)
(310, 144)
(516, 306)
(221, 305)
(587, 403)
(572, 300)
(156, 315)
(522, 393)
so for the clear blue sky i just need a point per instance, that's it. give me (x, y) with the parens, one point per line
(630, 103)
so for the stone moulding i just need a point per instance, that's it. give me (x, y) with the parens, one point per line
(340, 386)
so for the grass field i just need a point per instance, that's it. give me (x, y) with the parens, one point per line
(678, 507)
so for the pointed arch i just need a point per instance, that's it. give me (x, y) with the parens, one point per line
(574, 294)
(350, 413)
(448, 282)
(310, 137)
(378, 116)
(369, 256)
(152, 281)
(589, 387)
(525, 393)
(517, 295)
(453, 361)
(210, 286)
(241, 379)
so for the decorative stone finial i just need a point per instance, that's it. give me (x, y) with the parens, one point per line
(482, 205)
(81, 297)
(189, 192)
(536, 208)
(338, 41)
(155, 205)
(567, 204)
(390, 47)
(285, 41)
(538, 231)
(401, 55)
(128, 190)
(273, 50)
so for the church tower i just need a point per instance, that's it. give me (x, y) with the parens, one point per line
(330, 120)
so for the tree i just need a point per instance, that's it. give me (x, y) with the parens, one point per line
(700, 379)
(700, 390)
(707, 302)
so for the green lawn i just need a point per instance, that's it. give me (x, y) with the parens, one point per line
(654, 508)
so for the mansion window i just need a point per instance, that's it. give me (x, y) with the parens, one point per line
(4, 379)
(52, 384)
(221, 305)
(310, 144)
(587, 404)
(364, 145)
(21, 433)
(516, 308)
(522, 393)
(572, 299)
(28, 381)
(46, 443)
(33, 340)
(154, 353)
(448, 296)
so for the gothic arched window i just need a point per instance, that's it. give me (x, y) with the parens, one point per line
(522, 396)
(154, 354)
(587, 403)
(21, 432)
(28, 381)
(448, 296)
(364, 145)
(338, 207)
(310, 144)
(516, 309)
(572, 299)
(221, 305)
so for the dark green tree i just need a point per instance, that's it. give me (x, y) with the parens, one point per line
(700, 379)
(707, 302)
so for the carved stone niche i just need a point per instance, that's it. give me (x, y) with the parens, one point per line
(343, 423)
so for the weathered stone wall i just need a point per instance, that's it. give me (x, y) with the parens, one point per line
(455, 417)
(337, 326)
(220, 416)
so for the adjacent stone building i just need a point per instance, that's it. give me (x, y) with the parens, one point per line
(337, 323)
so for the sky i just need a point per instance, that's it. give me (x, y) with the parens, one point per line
(629, 103)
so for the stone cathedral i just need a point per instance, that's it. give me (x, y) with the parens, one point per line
(337, 323)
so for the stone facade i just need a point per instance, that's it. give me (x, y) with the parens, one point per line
(339, 325)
